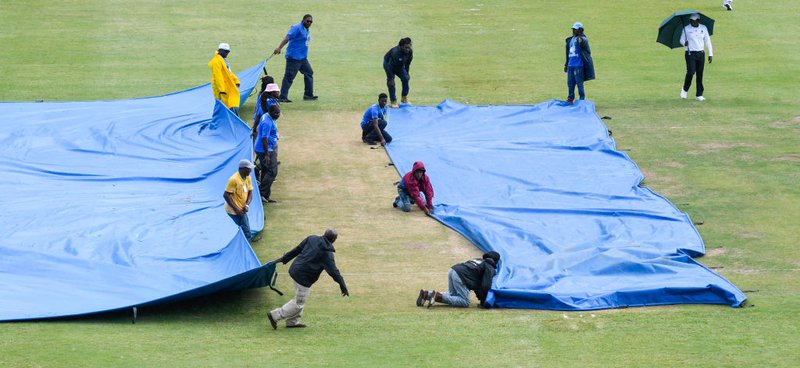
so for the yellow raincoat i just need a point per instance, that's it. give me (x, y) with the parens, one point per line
(223, 80)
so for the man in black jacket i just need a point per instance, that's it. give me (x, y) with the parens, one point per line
(475, 274)
(314, 254)
(397, 62)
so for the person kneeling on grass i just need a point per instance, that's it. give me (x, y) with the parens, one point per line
(314, 254)
(373, 125)
(475, 274)
(409, 188)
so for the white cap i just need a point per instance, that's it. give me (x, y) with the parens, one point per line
(577, 25)
(224, 46)
(695, 16)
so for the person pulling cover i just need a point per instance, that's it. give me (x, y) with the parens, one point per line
(476, 274)
(409, 188)
(314, 254)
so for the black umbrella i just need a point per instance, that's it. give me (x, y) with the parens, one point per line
(671, 29)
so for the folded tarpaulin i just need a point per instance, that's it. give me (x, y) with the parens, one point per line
(113, 204)
(545, 187)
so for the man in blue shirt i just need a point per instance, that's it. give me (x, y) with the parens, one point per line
(266, 148)
(298, 38)
(578, 65)
(373, 125)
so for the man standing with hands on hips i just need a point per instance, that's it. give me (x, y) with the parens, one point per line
(694, 37)
(298, 38)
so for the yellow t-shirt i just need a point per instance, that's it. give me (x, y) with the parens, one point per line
(239, 189)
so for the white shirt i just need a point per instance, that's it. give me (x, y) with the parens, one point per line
(697, 36)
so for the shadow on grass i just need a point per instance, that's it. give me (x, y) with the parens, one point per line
(216, 307)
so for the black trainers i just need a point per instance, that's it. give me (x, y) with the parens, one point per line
(728, 7)
(272, 321)
(310, 98)
(299, 325)
(421, 297)
(284, 100)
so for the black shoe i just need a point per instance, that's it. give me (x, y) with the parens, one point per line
(272, 321)
(310, 98)
(270, 200)
(371, 143)
(299, 325)
(728, 7)
(284, 100)
(421, 297)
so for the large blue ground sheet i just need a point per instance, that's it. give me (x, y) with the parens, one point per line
(545, 187)
(113, 204)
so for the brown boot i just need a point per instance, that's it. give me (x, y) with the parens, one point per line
(404, 99)
(423, 296)
(434, 296)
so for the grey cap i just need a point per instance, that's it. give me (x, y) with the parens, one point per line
(246, 164)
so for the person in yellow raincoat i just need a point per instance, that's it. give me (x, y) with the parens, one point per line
(224, 83)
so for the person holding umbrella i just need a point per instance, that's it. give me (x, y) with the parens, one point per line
(694, 37)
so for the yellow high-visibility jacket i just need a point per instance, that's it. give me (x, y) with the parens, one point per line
(223, 82)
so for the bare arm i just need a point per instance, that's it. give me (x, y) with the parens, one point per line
(283, 43)
(229, 201)
(378, 129)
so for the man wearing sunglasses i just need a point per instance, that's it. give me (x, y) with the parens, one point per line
(298, 38)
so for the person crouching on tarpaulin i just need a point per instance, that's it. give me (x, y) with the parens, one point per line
(314, 254)
(475, 274)
(409, 188)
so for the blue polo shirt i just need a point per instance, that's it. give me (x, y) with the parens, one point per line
(574, 53)
(374, 112)
(266, 129)
(298, 42)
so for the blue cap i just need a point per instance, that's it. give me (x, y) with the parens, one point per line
(577, 25)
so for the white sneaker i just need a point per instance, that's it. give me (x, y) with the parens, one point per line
(683, 94)
(700, 98)
(728, 7)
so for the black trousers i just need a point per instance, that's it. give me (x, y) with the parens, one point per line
(292, 67)
(368, 133)
(268, 172)
(695, 62)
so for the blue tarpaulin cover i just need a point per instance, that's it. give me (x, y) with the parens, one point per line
(545, 187)
(112, 204)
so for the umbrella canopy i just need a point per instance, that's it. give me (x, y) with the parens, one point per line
(671, 29)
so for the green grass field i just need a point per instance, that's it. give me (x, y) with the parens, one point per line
(732, 162)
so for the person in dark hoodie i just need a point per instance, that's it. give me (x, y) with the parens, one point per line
(314, 254)
(409, 188)
(578, 65)
(397, 61)
(475, 274)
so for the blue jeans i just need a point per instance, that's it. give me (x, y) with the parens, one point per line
(404, 78)
(292, 67)
(368, 133)
(243, 223)
(575, 77)
(457, 293)
(403, 200)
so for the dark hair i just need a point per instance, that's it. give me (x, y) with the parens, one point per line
(331, 235)
(274, 107)
(382, 95)
(404, 41)
(307, 16)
